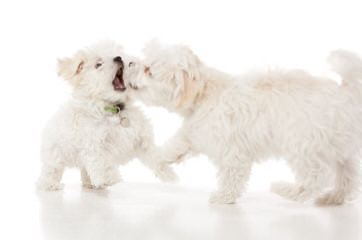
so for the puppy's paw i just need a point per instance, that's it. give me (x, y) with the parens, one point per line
(114, 180)
(331, 198)
(291, 191)
(222, 198)
(88, 186)
(166, 174)
(97, 183)
(49, 186)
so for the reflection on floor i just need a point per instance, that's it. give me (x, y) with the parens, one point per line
(159, 211)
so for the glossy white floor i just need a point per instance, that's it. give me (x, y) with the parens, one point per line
(161, 211)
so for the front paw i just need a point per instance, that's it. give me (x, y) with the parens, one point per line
(90, 186)
(97, 183)
(114, 180)
(331, 198)
(166, 174)
(222, 198)
(291, 191)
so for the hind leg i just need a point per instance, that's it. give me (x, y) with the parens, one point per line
(308, 182)
(346, 183)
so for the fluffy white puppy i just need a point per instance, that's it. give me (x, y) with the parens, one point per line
(99, 128)
(313, 123)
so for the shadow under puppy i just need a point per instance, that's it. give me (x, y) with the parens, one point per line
(99, 128)
(311, 122)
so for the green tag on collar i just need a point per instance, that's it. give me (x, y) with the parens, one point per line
(115, 108)
(111, 109)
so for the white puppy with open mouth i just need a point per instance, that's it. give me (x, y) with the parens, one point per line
(99, 128)
(311, 122)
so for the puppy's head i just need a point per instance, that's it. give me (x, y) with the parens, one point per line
(97, 72)
(168, 77)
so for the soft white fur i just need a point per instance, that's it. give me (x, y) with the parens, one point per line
(313, 123)
(83, 135)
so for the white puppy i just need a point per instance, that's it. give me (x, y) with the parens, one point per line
(313, 123)
(98, 129)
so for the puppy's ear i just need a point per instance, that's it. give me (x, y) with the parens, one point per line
(188, 80)
(69, 68)
(189, 87)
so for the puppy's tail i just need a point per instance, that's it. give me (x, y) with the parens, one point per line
(349, 66)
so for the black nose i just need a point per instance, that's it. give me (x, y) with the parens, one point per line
(118, 59)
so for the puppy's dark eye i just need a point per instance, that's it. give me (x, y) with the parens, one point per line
(98, 65)
(130, 64)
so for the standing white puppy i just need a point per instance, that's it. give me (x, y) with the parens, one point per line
(98, 129)
(313, 123)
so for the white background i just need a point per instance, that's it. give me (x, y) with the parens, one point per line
(232, 36)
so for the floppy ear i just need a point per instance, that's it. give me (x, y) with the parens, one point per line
(190, 86)
(189, 82)
(68, 68)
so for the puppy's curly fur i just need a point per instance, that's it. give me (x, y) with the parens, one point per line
(313, 123)
(83, 135)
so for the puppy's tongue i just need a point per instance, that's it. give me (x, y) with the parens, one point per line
(118, 82)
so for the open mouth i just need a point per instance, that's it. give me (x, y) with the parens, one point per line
(118, 83)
